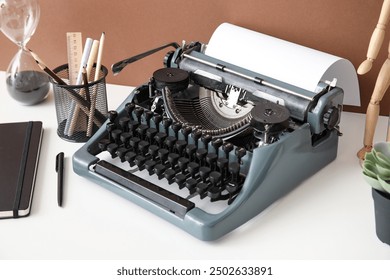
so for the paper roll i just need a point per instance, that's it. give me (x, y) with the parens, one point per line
(282, 60)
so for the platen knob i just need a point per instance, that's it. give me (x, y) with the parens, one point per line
(331, 118)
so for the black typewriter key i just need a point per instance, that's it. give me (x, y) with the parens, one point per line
(160, 138)
(110, 127)
(206, 139)
(200, 155)
(150, 133)
(159, 170)
(157, 119)
(182, 163)
(148, 116)
(129, 157)
(141, 131)
(143, 147)
(173, 159)
(217, 143)
(240, 153)
(153, 150)
(125, 138)
(227, 148)
(215, 178)
(186, 130)
(180, 146)
(204, 173)
(138, 113)
(196, 135)
(214, 193)
(176, 126)
(129, 107)
(121, 152)
(134, 142)
(191, 184)
(170, 175)
(193, 168)
(124, 123)
(170, 142)
(167, 123)
(133, 125)
(190, 151)
(163, 155)
(140, 161)
(115, 134)
(201, 189)
(180, 179)
(111, 148)
(103, 144)
(234, 170)
(211, 160)
(149, 166)
(112, 115)
(222, 164)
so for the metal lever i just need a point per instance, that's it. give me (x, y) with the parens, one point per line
(117, 67)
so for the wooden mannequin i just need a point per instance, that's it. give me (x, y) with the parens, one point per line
(382, 82)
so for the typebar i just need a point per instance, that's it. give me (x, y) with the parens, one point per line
(167, 200)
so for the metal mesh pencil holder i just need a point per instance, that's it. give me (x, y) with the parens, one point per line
(80, 109)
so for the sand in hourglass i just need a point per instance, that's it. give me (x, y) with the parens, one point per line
(28, 87)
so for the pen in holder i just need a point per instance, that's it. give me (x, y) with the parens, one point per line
(80, 109)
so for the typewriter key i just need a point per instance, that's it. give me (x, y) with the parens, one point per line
(157, 120)
(149, 165)
(170, 175)
(183, 162)
(206, 139)
(190, 151)
(191, 185)
(180, 146)
(186, 130)
(148, 116)
(121, 152)
(138, 113)
(129, 107)
(180, 179)
(112, 115)
(129, 157)
(150, 133)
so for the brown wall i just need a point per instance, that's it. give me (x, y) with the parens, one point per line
(339, 27)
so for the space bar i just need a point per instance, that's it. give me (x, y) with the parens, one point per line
(165, 199)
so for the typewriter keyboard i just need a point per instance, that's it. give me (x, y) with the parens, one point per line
(176, 157)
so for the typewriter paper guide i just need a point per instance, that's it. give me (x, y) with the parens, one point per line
(282, 60)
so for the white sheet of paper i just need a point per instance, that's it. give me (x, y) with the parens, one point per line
(282, 60)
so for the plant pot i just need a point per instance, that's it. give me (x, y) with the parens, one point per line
(382, 215)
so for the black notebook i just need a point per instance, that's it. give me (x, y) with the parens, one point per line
(19, 153)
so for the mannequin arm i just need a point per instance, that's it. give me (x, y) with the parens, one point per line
(376, 39)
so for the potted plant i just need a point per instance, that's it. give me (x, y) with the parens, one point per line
(376, 171)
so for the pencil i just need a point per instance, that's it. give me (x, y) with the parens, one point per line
(99, 57)
(47, 69)
(95, 91)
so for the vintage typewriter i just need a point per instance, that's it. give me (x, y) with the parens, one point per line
(208, 145)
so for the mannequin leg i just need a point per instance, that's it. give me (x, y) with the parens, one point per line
(382, 83)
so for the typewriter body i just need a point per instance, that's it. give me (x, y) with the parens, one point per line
(207, 145)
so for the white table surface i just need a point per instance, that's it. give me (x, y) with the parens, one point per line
(329, 216)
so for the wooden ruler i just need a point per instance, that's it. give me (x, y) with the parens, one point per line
(75, 52)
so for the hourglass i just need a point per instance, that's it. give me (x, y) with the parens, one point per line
(26, 82)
